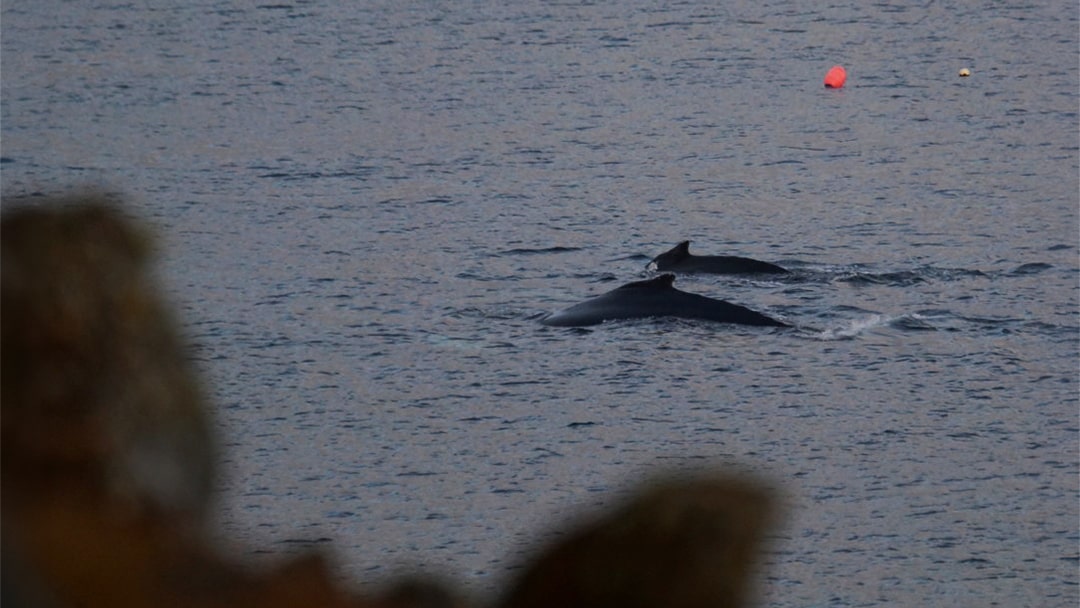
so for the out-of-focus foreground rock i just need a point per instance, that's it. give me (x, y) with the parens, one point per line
(107, 456)
(689, 544)
(106, 448)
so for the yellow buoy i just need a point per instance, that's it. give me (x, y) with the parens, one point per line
(964, 72)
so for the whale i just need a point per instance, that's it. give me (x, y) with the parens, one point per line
(656, 297)
(679, 259)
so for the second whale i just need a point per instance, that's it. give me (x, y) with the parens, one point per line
(679, 259)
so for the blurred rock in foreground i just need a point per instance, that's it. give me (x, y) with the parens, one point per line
(107, 461)
(106, 451)
(673, 545)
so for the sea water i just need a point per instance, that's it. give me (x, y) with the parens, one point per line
(365, 207)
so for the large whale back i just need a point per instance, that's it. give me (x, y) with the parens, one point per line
(679, 259)
(655, 298)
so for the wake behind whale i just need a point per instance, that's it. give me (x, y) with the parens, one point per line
(656, 298)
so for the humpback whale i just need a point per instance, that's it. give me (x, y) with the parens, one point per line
(655, 298)
(679, 259)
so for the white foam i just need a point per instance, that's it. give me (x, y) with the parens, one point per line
(853, 328)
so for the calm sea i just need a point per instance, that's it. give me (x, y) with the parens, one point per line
(365, 207)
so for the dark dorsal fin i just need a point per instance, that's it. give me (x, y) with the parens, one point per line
(663, 281)
(674, 255)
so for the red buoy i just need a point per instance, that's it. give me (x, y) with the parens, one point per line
(836, 77)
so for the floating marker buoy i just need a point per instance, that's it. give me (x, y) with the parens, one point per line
(836, 77)
(964, 72)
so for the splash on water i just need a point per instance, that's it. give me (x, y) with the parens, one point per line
(851, 330)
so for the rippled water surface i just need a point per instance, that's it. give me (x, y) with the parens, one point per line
(366, 207)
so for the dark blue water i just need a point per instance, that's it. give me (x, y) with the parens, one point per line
(365, 208)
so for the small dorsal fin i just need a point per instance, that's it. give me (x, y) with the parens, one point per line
(678, 253)
(663, 281)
